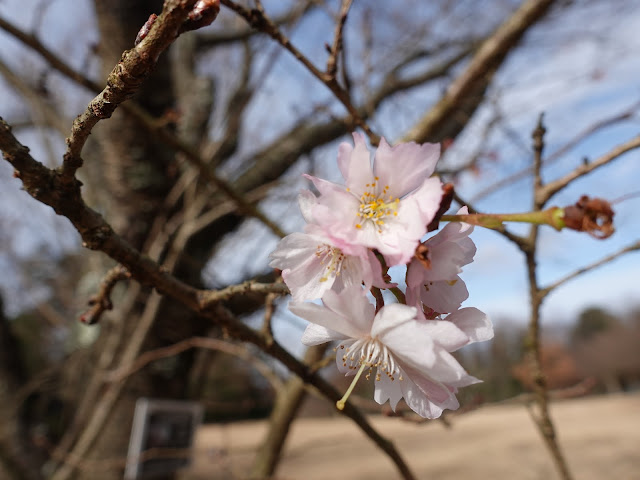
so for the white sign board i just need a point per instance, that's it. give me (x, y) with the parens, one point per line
(161, 436)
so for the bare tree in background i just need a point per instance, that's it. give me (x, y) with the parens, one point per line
(194, 145)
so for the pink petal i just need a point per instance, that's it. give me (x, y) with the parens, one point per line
(355, 164)
(425, 202)
(406, 166)
(444, 296)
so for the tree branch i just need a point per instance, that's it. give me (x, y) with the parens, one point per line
(551, 188)
(258, 20)
(630, 248)
(45, 186)
(466, 92)
(149, 123)
(125, 79)
(561, 151)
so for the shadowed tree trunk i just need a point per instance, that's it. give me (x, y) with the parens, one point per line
(138, 171)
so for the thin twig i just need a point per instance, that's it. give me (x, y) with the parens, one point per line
(521, 242)
(336, 47)
(630, 248)
(538, 147)
(101, 301)
(211, 297)
(561, 151)
(216, 38)
(554, 187)
(196, 342)
(269, 310)
(260, 21)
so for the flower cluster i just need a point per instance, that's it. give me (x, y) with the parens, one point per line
(354, 233)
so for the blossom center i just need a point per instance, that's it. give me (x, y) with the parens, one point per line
(333, 258)
(366, 353)
(371, 353)
(376, 206)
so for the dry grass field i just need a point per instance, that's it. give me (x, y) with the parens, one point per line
(600, 435)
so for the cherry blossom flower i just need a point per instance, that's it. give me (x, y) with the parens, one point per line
(314, 262)
(433, 283)
(409, 358)
(386, 206)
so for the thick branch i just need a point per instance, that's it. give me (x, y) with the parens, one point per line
(65, 198)
(125, 79)
(466, 92)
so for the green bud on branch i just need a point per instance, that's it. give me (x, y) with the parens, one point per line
(594, 216)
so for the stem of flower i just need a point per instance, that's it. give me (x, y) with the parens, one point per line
(399, 294)
(377, 294)
(552, 216)
(341, 403)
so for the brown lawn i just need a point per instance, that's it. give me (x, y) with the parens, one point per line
(600, 435)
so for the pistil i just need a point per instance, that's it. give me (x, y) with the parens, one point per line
(341, 403)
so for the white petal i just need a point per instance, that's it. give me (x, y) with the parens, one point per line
(446, 262)
(415, 280)
(308, 281)
(351, 274)
(386, 389)
(324, 317)
(395, 326)
(474, 323)
(354, 308)
(426, 397)
(317, 335)
(445, 334)
(292, 250)
(306, 201)
(447, 370)
(392, 317)
(303, 271)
